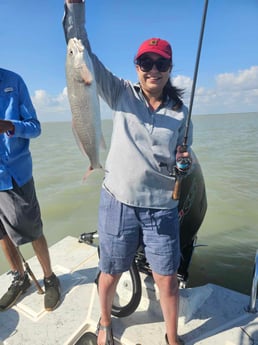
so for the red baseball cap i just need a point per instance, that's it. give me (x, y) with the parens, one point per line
(155, 45)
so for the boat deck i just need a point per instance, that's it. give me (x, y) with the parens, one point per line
(209, 314)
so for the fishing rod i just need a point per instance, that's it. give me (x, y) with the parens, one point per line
(31, 274)
(183, 164)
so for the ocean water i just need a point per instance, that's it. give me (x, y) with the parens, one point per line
(226, 146)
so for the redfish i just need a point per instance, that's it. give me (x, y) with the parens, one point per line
(84, 102)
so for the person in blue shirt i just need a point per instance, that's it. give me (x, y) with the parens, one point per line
(20, 217)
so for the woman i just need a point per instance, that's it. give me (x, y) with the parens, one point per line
(136, 205)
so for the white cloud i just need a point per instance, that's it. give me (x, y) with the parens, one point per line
(183, 82)
(242, 80)
(56, 108)
(51, 108)
(232, 93)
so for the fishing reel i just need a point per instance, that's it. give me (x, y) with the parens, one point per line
(88, 237)
(183, 164)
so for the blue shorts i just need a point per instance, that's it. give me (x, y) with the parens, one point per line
(123, 228)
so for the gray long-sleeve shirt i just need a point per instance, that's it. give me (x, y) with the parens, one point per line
(143, 146)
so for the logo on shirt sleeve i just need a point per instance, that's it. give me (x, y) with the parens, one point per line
(8, 89)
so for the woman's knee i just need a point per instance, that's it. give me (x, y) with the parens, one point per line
(109, 279)
(166, 283)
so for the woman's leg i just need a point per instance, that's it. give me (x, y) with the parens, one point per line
(106, 287)
(169, 297)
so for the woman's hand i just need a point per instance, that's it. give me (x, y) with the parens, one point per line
(183, 159)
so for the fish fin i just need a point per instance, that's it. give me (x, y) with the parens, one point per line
(86, 75)
(87, 174)
(102, 142)
(90, 171)
(78, 141)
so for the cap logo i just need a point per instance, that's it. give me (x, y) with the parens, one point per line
(153, 42)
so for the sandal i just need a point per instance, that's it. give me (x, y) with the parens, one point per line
(181, 342)
(109, 333)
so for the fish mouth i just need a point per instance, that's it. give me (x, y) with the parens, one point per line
(79, 66)
(75, 43)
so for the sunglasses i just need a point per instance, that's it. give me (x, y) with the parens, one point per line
(146, 64)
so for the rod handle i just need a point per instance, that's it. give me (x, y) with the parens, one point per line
(177, 188)
(31, 274)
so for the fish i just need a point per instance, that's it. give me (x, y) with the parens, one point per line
(84, 103)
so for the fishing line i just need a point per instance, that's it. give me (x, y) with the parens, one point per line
(195, 73)
(183, 164)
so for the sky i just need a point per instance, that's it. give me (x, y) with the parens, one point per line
(32, 44)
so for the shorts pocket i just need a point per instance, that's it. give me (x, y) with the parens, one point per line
(110, 214)
(168, 223)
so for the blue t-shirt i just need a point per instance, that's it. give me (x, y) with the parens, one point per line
(16, 106)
